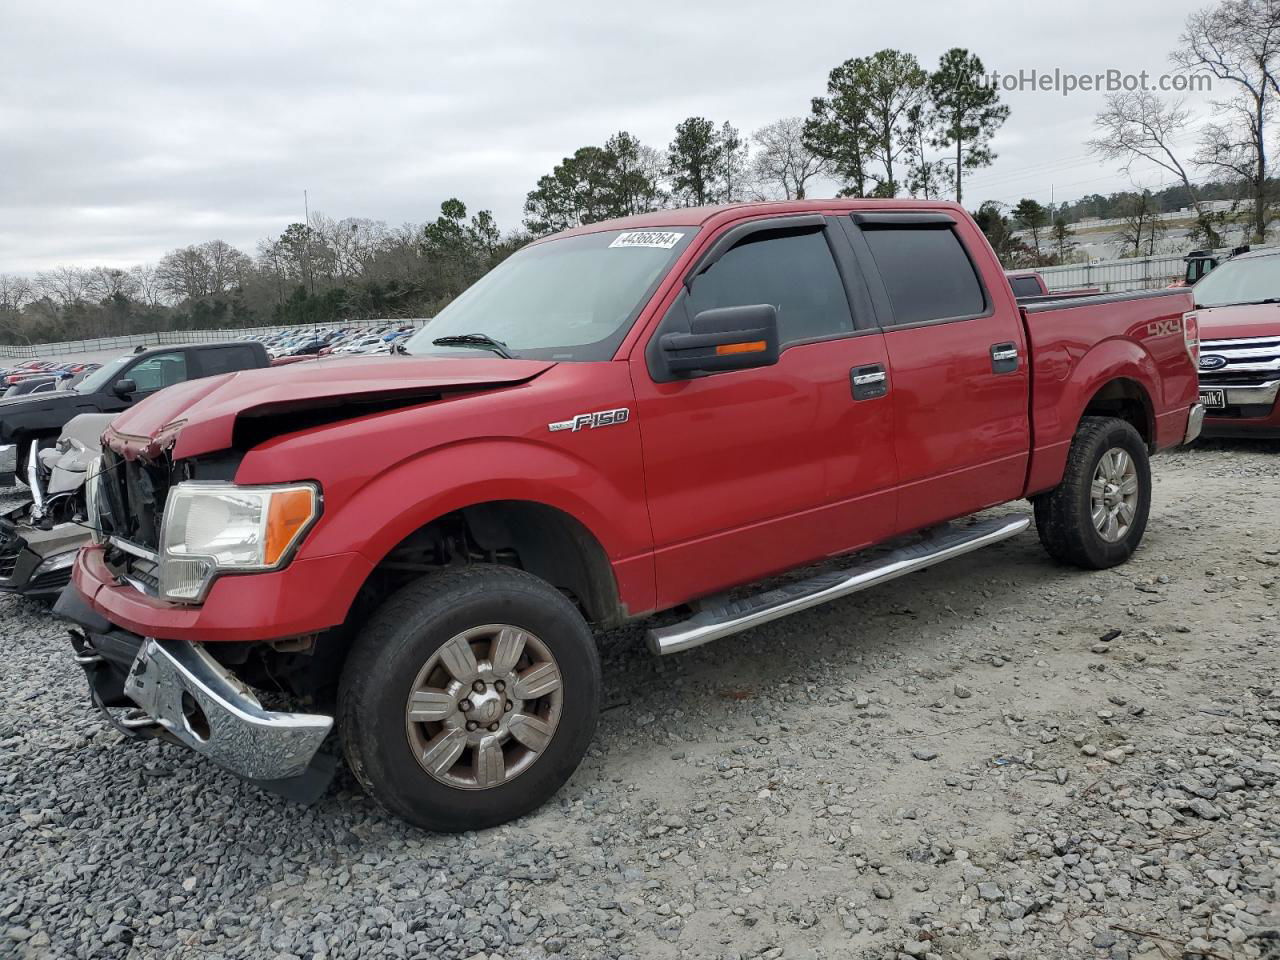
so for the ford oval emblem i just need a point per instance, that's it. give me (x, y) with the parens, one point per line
(1211, 361)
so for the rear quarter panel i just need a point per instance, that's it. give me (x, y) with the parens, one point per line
(1077, 350)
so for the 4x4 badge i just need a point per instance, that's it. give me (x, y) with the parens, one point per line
(602, 418)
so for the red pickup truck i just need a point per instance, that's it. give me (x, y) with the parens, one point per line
(634, 419)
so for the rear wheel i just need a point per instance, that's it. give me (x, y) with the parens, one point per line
(470, 698)
(1096, 517)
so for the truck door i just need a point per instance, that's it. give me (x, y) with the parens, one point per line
(749, 472)
(958, 365)
(150, 374)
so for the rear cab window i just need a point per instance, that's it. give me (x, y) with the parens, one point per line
(215, 360)
(926, 271)
(1025, 287)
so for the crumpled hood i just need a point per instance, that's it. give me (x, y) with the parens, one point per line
(1245, 320)
(200, 416)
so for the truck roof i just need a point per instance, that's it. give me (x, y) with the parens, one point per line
(703, 216)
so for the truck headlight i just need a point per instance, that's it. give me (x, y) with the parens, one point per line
(215, 527)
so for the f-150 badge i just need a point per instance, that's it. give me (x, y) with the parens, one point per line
(602, 418)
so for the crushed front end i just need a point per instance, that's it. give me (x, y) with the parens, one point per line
(147, 677)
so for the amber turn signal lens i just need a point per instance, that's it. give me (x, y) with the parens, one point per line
(288, 515)
(755, 346)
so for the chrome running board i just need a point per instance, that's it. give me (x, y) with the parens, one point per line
(733, 616)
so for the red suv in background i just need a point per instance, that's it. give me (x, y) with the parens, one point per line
(1238, 306)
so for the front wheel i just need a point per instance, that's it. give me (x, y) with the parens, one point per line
(469, 698)
(1096, 517)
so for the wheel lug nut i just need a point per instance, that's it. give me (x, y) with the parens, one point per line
(493, 728)
(508, 706)
(478, 686)
(471, 725)
(500, 686)
(464, 706)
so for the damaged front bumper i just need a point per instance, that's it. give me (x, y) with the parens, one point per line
(175, 690)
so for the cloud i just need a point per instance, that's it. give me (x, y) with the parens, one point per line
(129, 129)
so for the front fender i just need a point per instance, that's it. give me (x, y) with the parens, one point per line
(394, 504)
(372, 516)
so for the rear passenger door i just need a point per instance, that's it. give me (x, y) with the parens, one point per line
(753, 471)
(958, 364)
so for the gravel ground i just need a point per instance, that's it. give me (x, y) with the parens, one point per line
(997, 758)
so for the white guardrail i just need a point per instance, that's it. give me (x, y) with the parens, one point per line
(1135, 273)
(43, 351)
(1111, 276)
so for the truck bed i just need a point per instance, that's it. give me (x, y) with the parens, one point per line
(1078, 344)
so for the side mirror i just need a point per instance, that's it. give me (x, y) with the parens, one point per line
(727, 338)
(125, 388)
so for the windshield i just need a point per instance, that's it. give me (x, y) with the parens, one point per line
(567, 299)
(1249, 280)
(102, 376)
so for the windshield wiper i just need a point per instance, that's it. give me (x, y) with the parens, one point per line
(1239, 303)
(482, 340)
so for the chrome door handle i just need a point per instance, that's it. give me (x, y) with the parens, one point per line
(869, 382)
(1004, 357)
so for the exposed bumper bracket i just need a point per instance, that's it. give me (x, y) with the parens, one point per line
(199, 702)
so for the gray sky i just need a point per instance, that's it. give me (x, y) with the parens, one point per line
(128, 128)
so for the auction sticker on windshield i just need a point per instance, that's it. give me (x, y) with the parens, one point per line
(662, 239)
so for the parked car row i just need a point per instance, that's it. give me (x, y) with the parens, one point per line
(42, 376)
(339, 340)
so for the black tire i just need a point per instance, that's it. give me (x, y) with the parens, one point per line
(398, 641)
(1064, 517)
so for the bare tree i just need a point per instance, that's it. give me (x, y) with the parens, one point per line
(147, 288)
(1138, 126)
(202, 270)
(227, 266)
(1140, 223)
(184, 273)
(1238, 41)
(15, 292)
(355, 241)
(104, 283)
(784, 164)
(64, 285)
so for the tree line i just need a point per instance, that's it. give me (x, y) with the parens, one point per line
(884, 127)
(322, 271)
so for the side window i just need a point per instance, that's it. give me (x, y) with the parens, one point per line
(162, 370)
(226, 359)
(792, 271)
(926, 272)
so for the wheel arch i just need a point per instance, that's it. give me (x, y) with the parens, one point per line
(1126, 399)
(539, 538)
